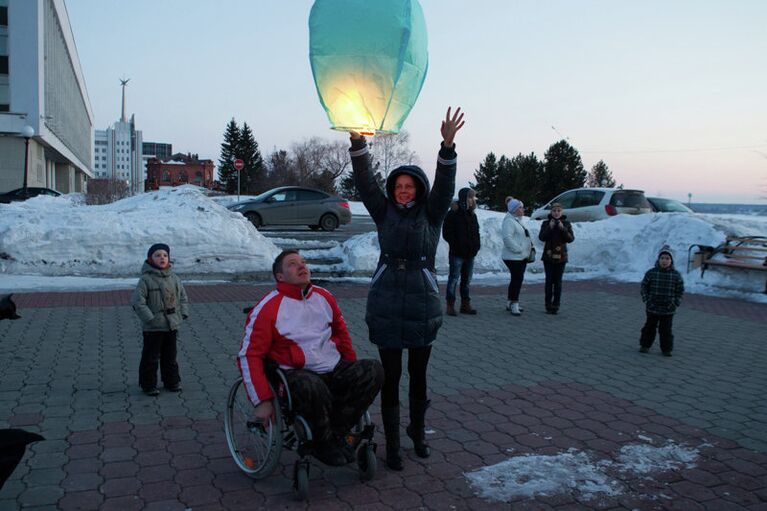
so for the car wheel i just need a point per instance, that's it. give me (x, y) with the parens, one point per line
(255, 219)
(314, 227)
(328, 222)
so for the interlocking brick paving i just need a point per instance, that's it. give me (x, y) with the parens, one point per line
(501, 387)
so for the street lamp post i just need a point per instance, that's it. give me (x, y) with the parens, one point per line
(27, 132)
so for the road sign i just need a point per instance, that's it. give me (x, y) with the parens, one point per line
(239, 165)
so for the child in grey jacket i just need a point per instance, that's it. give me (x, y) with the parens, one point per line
(161, 303)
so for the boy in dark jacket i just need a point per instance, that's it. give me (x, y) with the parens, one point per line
(461, 231)
(662, 290)
(160, 302)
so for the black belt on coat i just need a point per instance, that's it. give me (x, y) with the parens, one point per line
(402, 264)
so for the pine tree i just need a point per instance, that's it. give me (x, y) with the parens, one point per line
(226, 171)
(600, 176)
(562, 170)
(253, 174)
(527, 170)
(486, 187)
(348, 190)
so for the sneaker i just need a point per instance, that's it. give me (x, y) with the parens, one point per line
(329, 453)
(152, 392)
(173, 388)
(666, 353)
(515, 311)
(644, 350)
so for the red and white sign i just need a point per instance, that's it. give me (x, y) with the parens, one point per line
(239, 165)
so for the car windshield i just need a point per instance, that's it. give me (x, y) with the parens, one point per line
(670, 205)
(629, 199)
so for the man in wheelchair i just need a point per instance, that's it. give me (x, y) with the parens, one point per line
(300, 327)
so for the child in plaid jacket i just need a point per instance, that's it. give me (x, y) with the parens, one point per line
(662, 290)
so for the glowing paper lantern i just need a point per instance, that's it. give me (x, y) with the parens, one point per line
(369, 61)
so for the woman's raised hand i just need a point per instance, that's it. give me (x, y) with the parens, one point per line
(451, 125)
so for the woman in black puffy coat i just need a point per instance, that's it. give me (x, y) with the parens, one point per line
(404, 310)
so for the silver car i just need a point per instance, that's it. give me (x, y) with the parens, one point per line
(295, 205)
(587, 204)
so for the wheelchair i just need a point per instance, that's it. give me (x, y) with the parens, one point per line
(256, 447)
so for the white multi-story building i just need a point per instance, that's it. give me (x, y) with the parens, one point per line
(118, 152)
(42, 92)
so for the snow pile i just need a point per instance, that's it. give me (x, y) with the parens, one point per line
(645, 459)
(527, 476)
(574, 472)
(62, 236)
(622, 247)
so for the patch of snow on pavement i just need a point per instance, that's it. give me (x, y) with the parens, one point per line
(526, 476)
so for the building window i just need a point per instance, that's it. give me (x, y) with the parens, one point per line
(4, 16)
(3, 64)
(166, 177)
(183, 177)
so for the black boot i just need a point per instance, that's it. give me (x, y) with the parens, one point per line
(391, 431)
(416, 428)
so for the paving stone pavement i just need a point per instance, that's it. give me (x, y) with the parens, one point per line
(501, 387)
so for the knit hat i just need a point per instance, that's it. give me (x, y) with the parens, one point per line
(666, 250)
(512, 205)
(157, 246)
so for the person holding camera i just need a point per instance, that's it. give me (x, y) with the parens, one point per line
(161, 303)
(556, 233)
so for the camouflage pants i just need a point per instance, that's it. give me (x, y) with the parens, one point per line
(333, 402)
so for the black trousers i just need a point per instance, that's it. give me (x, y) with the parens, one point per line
(663, 325)
(334, 402)
(517, 270)
(553, 284)
(417, 362)
(159, 348)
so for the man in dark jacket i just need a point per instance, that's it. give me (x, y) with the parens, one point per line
(404, 309)
(461, 231)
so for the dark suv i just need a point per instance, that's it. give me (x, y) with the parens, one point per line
(20, 195)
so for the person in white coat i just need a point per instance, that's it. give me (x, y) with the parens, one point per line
(517, 247)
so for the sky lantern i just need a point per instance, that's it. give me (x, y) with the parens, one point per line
(369, 61)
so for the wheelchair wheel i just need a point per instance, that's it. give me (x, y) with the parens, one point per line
(255, 447)
(366, 461)
(301, 480)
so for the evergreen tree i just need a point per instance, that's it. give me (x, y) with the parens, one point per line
(348, 190)
(562, 170)
(253, 174)
(486, 187)
(527, 170)
(600, 176)
(226, 171)
(280, 170)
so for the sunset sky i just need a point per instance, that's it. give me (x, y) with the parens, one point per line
(671, 95)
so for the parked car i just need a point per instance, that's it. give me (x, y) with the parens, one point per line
(661, 205)
(20, 195)
(295, 205)
(588, 204)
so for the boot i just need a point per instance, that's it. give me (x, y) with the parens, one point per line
(515, 310)
(390, 417)
(466, 307)
(451, 308)
(416, 428)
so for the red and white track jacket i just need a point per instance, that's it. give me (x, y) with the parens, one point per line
(296, 328)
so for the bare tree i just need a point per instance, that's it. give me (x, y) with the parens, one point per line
(391, 151)
(106, 191)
